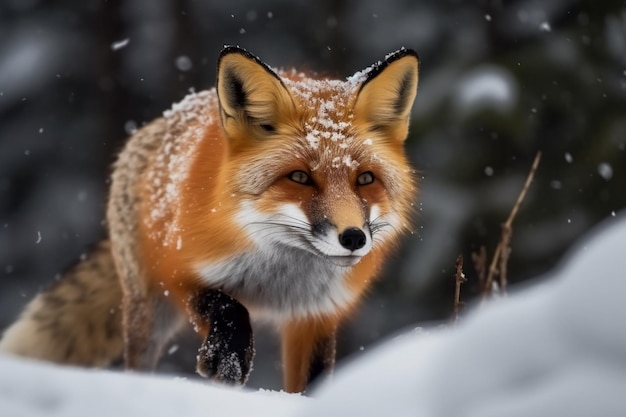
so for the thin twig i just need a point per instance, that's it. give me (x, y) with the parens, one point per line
(501, 254)
(504, 261)
(487, 288)
(459, 279)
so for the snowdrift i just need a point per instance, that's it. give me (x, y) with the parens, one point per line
(557, 348)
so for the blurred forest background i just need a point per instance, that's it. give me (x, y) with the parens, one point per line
(499, 81)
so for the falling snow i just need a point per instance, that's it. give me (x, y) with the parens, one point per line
(545, 27)
(568, 158)
(183, 63)
(605, 170)
(116, 46)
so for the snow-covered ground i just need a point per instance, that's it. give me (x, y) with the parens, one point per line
(557, 348)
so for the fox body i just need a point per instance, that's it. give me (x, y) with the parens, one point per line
(274, 196)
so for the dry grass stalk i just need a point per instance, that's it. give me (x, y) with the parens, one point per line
(500, 258)
(459, 279)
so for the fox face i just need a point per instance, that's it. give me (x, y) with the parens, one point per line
(318, 163)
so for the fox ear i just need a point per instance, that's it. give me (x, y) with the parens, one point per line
(386, 95)
(252, 97)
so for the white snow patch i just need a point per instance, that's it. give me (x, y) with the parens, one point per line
(33, 389)
(328, 123)
(330, 100)
(349, 162)
(556, 348)
(313, 140)
(186, 120)
(361, 76)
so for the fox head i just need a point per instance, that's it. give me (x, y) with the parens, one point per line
(319, 163)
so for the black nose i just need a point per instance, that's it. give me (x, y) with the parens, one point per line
(352, 238)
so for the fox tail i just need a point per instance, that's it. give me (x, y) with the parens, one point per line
(77, 321)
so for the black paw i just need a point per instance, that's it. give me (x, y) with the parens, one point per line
(227, 352)
(226, 361)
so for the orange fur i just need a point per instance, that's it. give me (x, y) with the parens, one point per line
(275, 193)
(275, 196)
(299, 338)
(220, 202)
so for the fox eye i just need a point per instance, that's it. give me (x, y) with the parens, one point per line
(365, 178)
(300, 177)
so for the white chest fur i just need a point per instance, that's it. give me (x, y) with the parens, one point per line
(280, 282)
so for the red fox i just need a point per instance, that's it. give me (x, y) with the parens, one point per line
(274, 196)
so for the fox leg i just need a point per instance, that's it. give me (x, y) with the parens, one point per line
(137, 307)
(149, 319)
(137, 326)
(228, 349)
(308, 349)
(149, 322)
